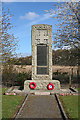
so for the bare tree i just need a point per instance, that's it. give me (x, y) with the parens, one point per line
(68, 25)
(9, 42)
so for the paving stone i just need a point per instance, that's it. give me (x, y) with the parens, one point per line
(42, 93)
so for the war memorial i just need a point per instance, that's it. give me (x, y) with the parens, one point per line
(41, 60)
(41, 92)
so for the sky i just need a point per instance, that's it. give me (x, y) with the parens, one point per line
(27, 14)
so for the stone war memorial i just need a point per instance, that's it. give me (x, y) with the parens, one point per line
(41, 60)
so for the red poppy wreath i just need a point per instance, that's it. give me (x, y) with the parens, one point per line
(50, 86)
(32, 85)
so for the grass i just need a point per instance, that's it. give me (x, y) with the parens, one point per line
(70, 105)
(78, 89)
(10, 104)
(4, 89)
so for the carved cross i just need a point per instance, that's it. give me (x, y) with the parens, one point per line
(42, 36)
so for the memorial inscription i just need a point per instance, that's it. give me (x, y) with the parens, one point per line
(42, 59)
(41, 55)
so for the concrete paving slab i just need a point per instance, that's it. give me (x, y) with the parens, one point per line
(42, 93)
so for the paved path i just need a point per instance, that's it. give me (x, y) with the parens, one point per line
(37, 106)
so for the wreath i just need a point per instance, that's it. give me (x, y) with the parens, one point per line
(32, 85)
(50, 86)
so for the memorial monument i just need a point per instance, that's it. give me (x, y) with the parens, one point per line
(41, 60)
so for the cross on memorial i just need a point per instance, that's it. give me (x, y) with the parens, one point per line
(42, 36)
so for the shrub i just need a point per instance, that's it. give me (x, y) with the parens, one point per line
(21, 77)
(11, 77)
(8, 75)
(64, 77)
(29, 74)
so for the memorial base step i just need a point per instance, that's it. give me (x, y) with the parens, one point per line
(41, 85)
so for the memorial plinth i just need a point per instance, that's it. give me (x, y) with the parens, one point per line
(41, 59)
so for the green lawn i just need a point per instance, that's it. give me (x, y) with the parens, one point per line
(4, 89)
(10, 104)
(70, 105)
(78, 89)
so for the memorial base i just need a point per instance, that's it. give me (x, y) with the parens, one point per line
(41, 85)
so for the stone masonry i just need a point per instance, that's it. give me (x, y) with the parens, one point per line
(41, 58)
(41, 34)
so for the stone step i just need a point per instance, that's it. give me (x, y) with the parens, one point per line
(42, 93)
